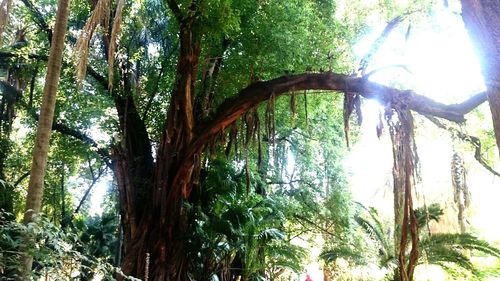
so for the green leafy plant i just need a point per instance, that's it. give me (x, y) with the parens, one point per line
(451, 251)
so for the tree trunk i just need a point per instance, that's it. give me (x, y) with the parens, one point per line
(40, 151)
(482, 20)
(161, 229)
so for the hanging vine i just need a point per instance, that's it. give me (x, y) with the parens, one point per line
(401, 130)
(461, 194)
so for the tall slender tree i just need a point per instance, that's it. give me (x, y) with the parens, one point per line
(44, 130)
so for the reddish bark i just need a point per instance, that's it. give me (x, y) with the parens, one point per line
(162, 227)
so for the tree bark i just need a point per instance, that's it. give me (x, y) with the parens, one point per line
(162, 229)
(482, 20)
(44, 129)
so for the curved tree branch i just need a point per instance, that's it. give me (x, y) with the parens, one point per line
(233, 108)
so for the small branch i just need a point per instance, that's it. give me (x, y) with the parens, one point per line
(20, 179)
(172, 4)
(375, 71)
(154, 92)
(474, 141)
(103, 81)
(39, 19)
(366, 60)
(65, 130)
(90, 168)
(87, 192)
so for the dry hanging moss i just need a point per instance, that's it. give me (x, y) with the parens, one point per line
(115, 32)
(461, 194)
(99, 16)
(4, 16)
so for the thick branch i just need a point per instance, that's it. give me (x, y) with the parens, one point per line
(87, 192)
(175, 10)
(39, 19)
(102, 80)
(471, 103)
(231, 109)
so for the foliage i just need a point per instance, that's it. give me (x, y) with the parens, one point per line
(54, 251)
(451, 251)
(232, 227)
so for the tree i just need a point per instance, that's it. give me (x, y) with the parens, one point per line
(40, 151)
(481, 19)
(223, 54)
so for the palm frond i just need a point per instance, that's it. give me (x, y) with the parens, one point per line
(424, 215)
(343, 252)
(271, 234)
(376, 230)
(448, 248)
(460, 241)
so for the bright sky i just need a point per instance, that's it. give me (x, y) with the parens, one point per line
(444, 67)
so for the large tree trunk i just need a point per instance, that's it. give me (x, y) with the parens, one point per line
(482, 20)
(40, 151)
(161, 229)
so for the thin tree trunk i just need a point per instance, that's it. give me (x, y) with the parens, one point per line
(40, 151)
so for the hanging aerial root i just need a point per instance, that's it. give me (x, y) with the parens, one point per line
(293, 107)
(401, 130)
(347, 111)
(4, 16)
(115, 32)
(233, 132)
(100, 16)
